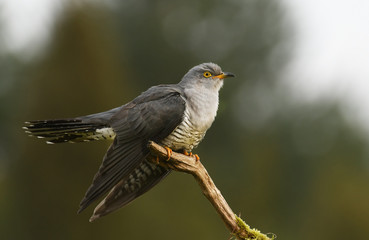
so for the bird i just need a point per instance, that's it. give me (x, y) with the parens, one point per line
(176, 116)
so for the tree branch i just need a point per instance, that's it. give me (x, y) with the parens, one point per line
(182, 163)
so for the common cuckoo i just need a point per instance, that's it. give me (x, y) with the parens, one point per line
(175, 115)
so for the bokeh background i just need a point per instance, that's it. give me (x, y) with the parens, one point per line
(291, 158)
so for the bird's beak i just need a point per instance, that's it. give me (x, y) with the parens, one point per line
(224, 75)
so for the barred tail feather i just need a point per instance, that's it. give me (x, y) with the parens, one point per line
(68, 130)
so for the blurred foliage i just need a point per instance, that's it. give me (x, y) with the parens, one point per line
(294, 169)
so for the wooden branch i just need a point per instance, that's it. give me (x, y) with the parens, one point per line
(182, 163)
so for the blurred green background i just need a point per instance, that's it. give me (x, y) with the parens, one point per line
(299, 170)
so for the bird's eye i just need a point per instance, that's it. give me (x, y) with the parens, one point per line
(207, 74)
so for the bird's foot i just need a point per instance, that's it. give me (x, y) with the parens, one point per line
(190, 154)
(169, 152)
(187, 153)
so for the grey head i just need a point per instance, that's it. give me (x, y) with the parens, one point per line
(208, 75)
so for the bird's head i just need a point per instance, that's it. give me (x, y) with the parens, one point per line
(208, 75)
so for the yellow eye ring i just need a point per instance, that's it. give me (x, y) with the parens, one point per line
(207, 74)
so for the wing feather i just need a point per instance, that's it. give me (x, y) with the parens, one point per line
(151, 116)
(127, 190)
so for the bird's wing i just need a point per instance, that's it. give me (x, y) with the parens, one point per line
(151, 116)
(142, 179)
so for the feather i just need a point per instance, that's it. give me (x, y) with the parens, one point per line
(151, 116)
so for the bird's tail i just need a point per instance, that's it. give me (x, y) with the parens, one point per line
(69, 130)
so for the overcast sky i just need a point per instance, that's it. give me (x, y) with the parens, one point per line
(330, 55)
(332, 52)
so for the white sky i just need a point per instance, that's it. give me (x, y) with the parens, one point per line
(26, 22)
(331, 58)
(331, 54)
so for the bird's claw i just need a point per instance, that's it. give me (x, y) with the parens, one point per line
(190, 154)
(187, 153)
(169, 152)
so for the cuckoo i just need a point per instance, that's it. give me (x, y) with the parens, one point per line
(176, 116)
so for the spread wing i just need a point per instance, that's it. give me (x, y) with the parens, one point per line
(151, 116)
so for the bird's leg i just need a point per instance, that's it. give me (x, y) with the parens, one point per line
(169, 152)
(190, 154)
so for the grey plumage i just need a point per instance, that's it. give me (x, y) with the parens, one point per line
(176, 116)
